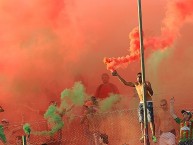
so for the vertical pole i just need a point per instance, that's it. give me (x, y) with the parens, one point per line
(24, 142)
(146, 138)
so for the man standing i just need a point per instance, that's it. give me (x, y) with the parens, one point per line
(149, 93)
(166, 125)
(186, 125)
(104, 89)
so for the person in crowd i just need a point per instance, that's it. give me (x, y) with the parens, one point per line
(138, 85)
(186, 124)
(166, 125)
(106, 88)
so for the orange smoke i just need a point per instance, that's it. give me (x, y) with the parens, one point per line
(178, 12)
(114, 63)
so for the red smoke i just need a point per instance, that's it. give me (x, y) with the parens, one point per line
(178, 12)
(35, 40)
(114, 63)
(46, 45)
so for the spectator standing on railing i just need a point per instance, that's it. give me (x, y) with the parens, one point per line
(149, 93)
(186, 125)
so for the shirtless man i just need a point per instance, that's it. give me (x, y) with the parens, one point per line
(166, 125)
(149, 93)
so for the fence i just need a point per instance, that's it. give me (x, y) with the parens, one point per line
(121, 126)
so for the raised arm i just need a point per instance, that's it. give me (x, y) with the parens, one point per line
(172, 108)
(131, 84)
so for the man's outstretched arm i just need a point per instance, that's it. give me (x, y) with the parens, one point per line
(131, 84)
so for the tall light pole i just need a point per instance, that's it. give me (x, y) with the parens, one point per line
(146, 137)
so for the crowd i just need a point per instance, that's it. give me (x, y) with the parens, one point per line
(162, 122)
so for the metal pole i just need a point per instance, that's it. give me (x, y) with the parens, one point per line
(146, 138)
(24, 142)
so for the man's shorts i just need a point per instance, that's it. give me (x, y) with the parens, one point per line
(150, 115)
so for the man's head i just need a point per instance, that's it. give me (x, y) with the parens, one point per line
(139, 77)
(187, 115)
(105, 78)
(164, 104)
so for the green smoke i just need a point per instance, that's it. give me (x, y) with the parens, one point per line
(53, 115)
(51, 132)
(26, 128)
(76, 95)
(54, 118)
(108, 103)
(156, 58)
(2, 135)
(153, 65)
